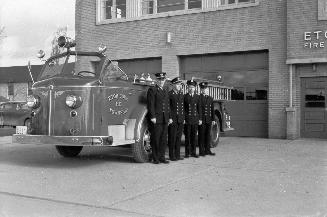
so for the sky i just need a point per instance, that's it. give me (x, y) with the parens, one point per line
(30, 26)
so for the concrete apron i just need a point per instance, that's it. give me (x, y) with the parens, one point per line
(247, 177)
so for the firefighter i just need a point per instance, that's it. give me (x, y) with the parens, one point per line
(175, 129)
(207, 109)
(159, 115)
(192, 110)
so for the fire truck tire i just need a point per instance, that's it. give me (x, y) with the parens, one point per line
(215, 133)
(69, 151)
(142, 149)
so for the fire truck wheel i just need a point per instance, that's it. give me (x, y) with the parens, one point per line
(215, 133)
(69, 151)
(142, 148)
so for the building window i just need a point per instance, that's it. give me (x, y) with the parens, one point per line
(249, 93)
(147, 7)
(121, 9)
(170, 5)
(322, 9)
(10, 89)
(192, 4)
(111, 9)
(235, 2)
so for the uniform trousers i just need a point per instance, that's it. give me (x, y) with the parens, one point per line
(175, 131)
(190, 139)
(204, 138)
(158, 140)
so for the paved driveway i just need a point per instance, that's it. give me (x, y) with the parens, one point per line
(247, 177)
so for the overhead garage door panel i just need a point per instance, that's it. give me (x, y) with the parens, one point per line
(225, 62)
(139, 66)
(247, 72)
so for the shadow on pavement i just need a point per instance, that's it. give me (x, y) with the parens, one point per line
(47, 156)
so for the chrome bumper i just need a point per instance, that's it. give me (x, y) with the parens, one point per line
(69, 140)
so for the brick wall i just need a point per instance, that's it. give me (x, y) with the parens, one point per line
(252, 28)
(302, 16)
(20, 91)
(278, 73)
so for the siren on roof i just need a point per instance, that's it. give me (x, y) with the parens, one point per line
(64, 41)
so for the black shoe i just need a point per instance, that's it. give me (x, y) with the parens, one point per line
(172, 159)
(180, 158)
(187, 156)
(194, 155)
(202, 155)
(156, 162)
(211, 153)
(164, 161)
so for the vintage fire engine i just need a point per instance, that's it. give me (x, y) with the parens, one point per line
(85, 99)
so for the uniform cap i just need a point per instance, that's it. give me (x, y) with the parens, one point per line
(203, 85)
(191, 83)
(160, 75)
(176, 80)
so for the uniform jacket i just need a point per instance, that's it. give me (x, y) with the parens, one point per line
(158, 104)
(176, 106)
(192, 109)
(207, 109)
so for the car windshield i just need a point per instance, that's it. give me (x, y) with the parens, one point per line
(71, 66)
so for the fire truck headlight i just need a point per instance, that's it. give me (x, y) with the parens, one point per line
(73, 101)
(33, 101)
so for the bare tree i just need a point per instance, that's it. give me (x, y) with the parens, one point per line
(2, 33)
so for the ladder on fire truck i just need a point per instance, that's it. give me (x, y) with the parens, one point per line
(217, 91)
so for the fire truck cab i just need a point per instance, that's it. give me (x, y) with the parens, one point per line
(84, 99)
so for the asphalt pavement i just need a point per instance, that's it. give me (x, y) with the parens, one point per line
(247, 177)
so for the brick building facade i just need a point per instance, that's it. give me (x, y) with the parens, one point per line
(16, 83)
(250, 42)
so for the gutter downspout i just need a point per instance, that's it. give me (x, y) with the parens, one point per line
(291, 123)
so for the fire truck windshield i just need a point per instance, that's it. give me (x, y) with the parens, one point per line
(71, 66)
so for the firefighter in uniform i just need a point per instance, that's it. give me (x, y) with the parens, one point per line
(207, 109)
(159, 115)
(192, 119)
(175, 129)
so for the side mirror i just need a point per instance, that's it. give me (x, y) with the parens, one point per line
(40, 54)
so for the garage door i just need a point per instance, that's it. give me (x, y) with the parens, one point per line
(247, 72)
(139, 66)
(314, 107)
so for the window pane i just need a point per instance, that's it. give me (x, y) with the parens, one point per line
(256, 93)
(246, 1)
(238, 93)
(315, 94)
(147, 7)
(315, 104)
(121, 8)
(107, 7)
(194, 4)
(170, 5)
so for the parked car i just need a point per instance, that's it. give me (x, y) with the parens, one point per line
(14, 114)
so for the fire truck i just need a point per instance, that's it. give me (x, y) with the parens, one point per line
(84, 99)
